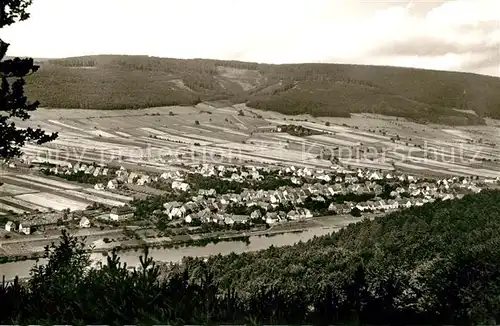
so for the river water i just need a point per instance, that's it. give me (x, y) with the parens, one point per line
(131, 257)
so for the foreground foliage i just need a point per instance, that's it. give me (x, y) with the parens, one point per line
(432, 264)
(13, 102)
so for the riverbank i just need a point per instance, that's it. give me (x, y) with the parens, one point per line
(278, 235)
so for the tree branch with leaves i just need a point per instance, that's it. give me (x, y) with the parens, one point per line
(14, 103)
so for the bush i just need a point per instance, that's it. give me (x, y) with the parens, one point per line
(356, 212)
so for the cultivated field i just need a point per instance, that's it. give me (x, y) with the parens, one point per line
(22, 193)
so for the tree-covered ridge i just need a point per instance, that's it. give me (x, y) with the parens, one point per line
(116, 82)
(435, 264)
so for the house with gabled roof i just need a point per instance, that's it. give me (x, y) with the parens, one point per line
(25, 227)
(255, 214)
(307, 213)
(121, 213)
(84, 222)
(112, 184)
(404, 203)
(363, 206)
(292, 215)
(271, 217)
(10, 226)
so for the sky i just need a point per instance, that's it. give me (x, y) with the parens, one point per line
(462, 35)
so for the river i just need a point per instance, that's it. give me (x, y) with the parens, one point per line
(131, 257)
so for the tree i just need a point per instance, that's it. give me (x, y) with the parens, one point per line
(196, 122)
(327, 123)
(356, 212)
(13, 101)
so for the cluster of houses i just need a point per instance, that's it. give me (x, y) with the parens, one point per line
(21, 228)
(28, 222)
(316, 184)
(86, 169)
(208, 206)
(207, 211)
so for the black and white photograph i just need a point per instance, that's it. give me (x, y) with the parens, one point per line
(237, 162)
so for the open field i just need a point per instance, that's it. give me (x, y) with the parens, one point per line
(14, 190)
(47, 181)
(108, 194)
(25, 204)
(22, 193)
(56, 202)
(8, 208)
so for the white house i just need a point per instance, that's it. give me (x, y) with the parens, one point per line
(404, 203)
(131, 177)
(292, 215)
(84, 222)
(375, 176)
(270, 220)
(229, 220)
(255, 214)
(177, 212)
(10, 226)
(324, 177)
(121, 213)
(180, 186)
(112, 184)
(392, 204)
(448, 197)
(363, 206)
(24, 228)
(99, 186)
(415, 193)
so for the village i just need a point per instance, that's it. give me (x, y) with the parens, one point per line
(208, 170)
(240, 195)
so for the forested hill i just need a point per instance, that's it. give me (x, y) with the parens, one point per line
(435, 264)
(114, 82)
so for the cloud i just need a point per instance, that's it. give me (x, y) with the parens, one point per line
(432, 46)
(460, 34)
(457, 35)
